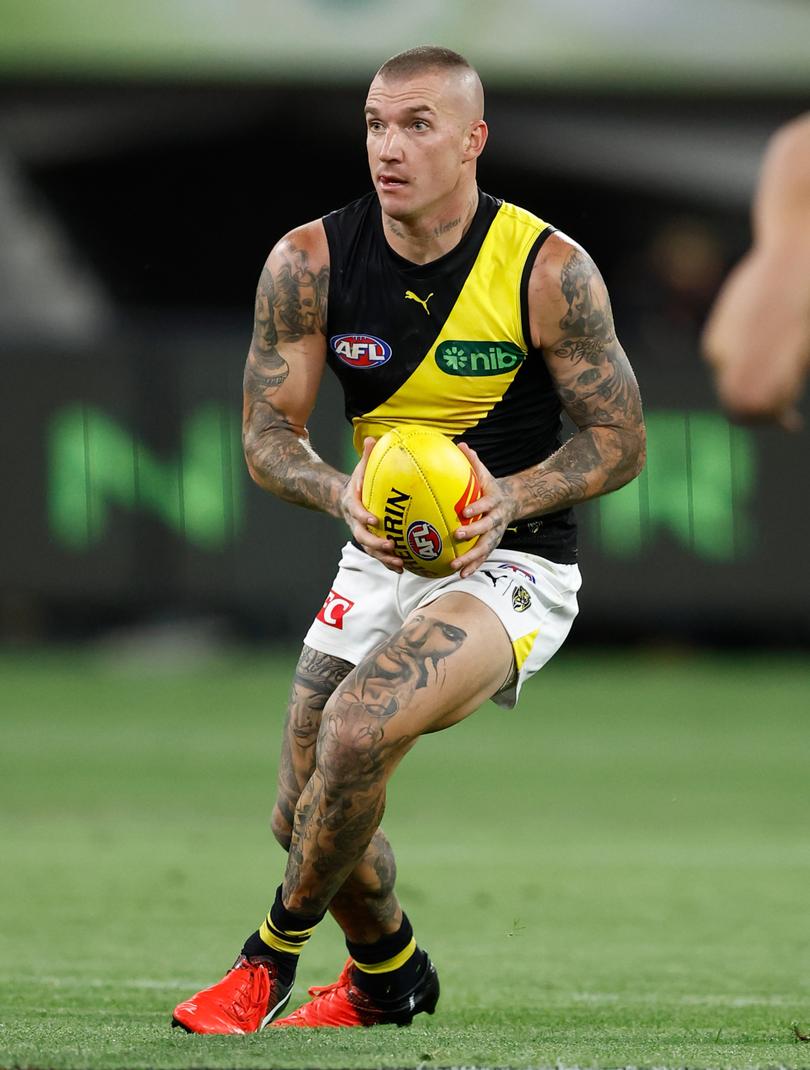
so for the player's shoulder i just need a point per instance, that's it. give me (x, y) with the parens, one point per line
(355, 209)
(793, 138)
(357, 220)
(787, 159)
(307, 240)
(520, 218)
(782, 202)
(559, 256)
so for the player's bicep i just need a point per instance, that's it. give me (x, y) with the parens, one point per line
(288, 347)
(573, 322)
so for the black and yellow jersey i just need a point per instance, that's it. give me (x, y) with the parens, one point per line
(447, 344)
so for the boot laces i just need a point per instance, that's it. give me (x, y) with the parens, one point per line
(250, 989)
(317, 991)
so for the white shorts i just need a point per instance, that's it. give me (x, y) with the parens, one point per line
(534, 599)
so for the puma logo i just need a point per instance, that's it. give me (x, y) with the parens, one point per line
(411, 296)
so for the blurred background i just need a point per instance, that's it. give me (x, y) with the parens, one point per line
(152, 153)
(649, 832)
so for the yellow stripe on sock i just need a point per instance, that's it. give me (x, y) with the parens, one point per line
(389, 964)
(277, 941)
(523, 647)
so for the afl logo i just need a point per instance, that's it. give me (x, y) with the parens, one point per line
(360, 350)
(424, 540)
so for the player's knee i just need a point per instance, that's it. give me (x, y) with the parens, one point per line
(353, 750)
(281, 827)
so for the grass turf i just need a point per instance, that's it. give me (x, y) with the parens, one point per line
(615, 874)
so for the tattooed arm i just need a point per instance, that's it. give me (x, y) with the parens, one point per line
(283, 372)
(572, 322)
(282, 375)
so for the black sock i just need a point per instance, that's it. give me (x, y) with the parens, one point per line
(390, 967)
(281, 938)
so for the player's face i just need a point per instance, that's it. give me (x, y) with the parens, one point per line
(420, 133)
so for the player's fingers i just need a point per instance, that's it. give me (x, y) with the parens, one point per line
(476, 528)
(482, 473)
(385, 556)
(360, 469)
(358, 514)
(369, 541)
(390, 560)
(466, 564)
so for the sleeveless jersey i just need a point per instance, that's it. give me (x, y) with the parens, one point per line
(447, 344)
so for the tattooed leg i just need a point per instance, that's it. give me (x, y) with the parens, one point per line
(438, 668)
(316, 677)
(366, 907)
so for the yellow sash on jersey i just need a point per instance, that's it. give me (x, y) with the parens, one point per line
(488, 312)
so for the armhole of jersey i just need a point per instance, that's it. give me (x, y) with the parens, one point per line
(331, 243)
(524, 285)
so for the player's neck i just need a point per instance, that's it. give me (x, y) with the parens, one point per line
(434, 234)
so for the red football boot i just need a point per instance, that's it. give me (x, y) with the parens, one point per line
(245, 1000)
(343, 1003)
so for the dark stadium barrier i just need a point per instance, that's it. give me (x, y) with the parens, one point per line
(126, 492)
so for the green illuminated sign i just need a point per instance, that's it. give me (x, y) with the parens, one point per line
(478, 358)
(95, 463)
(696, 487)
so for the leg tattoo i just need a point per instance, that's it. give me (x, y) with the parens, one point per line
(360, 742)
(316, 677)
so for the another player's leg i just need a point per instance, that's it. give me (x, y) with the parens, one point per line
(438, 668)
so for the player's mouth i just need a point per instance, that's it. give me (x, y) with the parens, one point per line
(390, 182)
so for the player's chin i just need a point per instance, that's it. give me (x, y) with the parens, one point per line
(397, 201)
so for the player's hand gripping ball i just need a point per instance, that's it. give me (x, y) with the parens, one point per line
(417, 483)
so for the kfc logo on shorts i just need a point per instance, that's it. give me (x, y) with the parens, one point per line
(361, 350)
(424, 540)
(334, 610)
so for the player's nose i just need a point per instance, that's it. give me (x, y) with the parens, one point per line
(390, 146)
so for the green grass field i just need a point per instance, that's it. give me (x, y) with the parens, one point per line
(615, 874)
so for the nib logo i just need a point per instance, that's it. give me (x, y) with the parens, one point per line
(454, 358)
(478, 358)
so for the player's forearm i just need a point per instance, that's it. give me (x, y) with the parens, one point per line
(283, 462)
(594, 461)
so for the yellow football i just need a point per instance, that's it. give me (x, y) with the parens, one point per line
(417, 482)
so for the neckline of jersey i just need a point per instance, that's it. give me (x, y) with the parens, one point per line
(484, 214)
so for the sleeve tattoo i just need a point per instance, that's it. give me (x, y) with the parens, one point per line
(599, 392)
(291, 304)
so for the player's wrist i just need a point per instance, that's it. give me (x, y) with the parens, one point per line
(518, 499)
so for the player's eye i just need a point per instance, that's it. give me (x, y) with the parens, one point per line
(420, 124)
(374, 126)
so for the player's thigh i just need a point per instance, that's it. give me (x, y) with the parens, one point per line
(482, 660)
(445, 660)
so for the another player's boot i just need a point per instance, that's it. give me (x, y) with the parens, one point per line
(343, 1003)
(247, 998)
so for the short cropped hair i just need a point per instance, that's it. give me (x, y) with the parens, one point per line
(423, 58)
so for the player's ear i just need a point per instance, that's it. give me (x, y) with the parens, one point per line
(475, 139)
